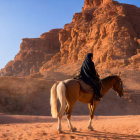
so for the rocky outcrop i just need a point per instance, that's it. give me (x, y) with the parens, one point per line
(34, 52)
(94, 3)
(107, 28)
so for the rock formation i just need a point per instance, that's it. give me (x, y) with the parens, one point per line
(105, 27)
(34, 52)
(94, 3)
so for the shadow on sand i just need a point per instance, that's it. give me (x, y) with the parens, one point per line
(96, 135)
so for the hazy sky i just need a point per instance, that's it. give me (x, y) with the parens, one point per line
(30, 18)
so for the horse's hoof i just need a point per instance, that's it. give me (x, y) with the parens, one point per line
(91, 128)
(60, 131)
(74, 129)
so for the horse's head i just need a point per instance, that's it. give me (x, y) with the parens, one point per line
(118, 86)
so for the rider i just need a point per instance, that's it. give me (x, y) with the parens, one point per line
(89, 75)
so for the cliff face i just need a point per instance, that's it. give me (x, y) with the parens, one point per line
(107, 28)
(34, 52)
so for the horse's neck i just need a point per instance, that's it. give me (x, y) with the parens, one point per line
(106, 85)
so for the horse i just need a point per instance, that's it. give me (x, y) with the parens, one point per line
(69, 91)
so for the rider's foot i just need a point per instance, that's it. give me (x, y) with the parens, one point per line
(97, 98)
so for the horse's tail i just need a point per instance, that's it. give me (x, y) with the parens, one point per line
(58, 90)
(53, 101)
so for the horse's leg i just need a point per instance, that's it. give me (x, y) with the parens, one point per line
(90, 120)
(92, 110)
(59, 125)
(72, 96)
(68, 113)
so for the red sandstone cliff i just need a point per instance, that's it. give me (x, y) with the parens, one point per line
(107, 28)
(34, 52)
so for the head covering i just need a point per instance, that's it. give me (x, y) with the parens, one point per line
(89, 56)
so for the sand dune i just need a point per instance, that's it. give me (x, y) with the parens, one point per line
(15, 127)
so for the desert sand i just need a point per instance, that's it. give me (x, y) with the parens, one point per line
(15, 127)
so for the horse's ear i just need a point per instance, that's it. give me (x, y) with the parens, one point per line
(119, 74)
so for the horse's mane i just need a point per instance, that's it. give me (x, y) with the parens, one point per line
(110, 77)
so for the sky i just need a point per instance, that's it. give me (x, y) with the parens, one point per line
(30, 18)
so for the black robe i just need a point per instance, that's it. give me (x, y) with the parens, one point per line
(89, 75)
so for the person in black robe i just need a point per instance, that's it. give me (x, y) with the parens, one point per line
(89, 75)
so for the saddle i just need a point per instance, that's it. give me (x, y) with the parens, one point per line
(85, 87)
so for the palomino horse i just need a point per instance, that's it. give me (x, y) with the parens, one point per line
(70, 91)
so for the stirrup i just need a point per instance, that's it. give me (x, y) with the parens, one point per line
(97, 98)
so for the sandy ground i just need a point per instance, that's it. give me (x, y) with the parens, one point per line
(15, 127)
